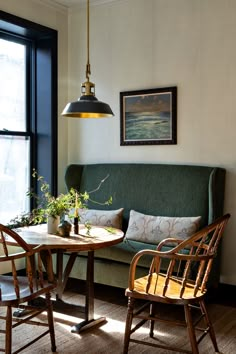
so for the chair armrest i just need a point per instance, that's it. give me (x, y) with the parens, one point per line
(171, 241)
(136, 258)
(172, 256)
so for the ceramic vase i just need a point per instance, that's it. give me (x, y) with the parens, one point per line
(64, 228)
(52, 224)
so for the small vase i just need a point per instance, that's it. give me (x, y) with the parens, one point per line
(52, 224)
(64, 228)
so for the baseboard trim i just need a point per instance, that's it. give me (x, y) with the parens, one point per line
(224, 294)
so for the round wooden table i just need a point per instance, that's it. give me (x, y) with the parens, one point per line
(98, 237)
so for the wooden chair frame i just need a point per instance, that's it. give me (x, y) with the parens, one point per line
(17, 291)
(183, 283)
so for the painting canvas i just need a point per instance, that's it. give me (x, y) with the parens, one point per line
(149, 116)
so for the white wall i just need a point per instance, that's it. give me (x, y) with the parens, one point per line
(56, 17)
(140, 44)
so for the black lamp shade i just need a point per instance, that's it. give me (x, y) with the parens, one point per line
(87, 106)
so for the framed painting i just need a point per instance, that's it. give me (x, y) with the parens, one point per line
(148, 117)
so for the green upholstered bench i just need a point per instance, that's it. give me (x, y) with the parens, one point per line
(152, 189)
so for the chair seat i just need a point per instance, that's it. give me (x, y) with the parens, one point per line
(157, 285)
(9, 293)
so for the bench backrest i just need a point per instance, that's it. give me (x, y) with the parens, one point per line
(154, 189)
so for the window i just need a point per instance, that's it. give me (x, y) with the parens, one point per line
(28, 111)
(15, 142)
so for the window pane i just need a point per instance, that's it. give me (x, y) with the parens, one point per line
(14, 176)
(13, 86)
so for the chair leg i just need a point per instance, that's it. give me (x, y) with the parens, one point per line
(209, 325)
(50, 321)
(128, 324)
(151, 332)
(191, 330)
(8, 337)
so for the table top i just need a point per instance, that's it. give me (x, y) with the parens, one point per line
(98, 237)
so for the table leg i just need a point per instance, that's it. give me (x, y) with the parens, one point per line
(62, 276)
(89, 300)
(59, 270)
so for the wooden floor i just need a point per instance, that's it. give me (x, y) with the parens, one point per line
(108, 339)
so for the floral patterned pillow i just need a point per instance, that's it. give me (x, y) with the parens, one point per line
(153, 229)
(110, 218)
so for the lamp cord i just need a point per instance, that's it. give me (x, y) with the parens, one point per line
(88, 70)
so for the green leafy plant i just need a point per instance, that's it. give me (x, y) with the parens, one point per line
(49, 205)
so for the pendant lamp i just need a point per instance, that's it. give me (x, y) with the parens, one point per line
(87, 105)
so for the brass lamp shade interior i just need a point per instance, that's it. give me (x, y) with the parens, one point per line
(87, 105)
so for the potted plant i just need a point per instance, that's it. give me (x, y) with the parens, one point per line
(51, 209)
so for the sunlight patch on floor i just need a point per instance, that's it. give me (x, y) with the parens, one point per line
(112, 326)
(119, 326)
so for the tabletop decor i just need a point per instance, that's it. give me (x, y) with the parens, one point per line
(52, 209)
(64, 228)
(148, 117)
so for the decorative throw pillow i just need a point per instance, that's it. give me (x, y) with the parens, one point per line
(153, 229)
(112, 218)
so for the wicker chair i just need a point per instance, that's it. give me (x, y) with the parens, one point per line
(184, 283)
(19, 288)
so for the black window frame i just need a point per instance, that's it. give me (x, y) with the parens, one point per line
(42, 109)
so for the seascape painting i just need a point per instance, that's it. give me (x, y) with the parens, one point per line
(149, 117)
